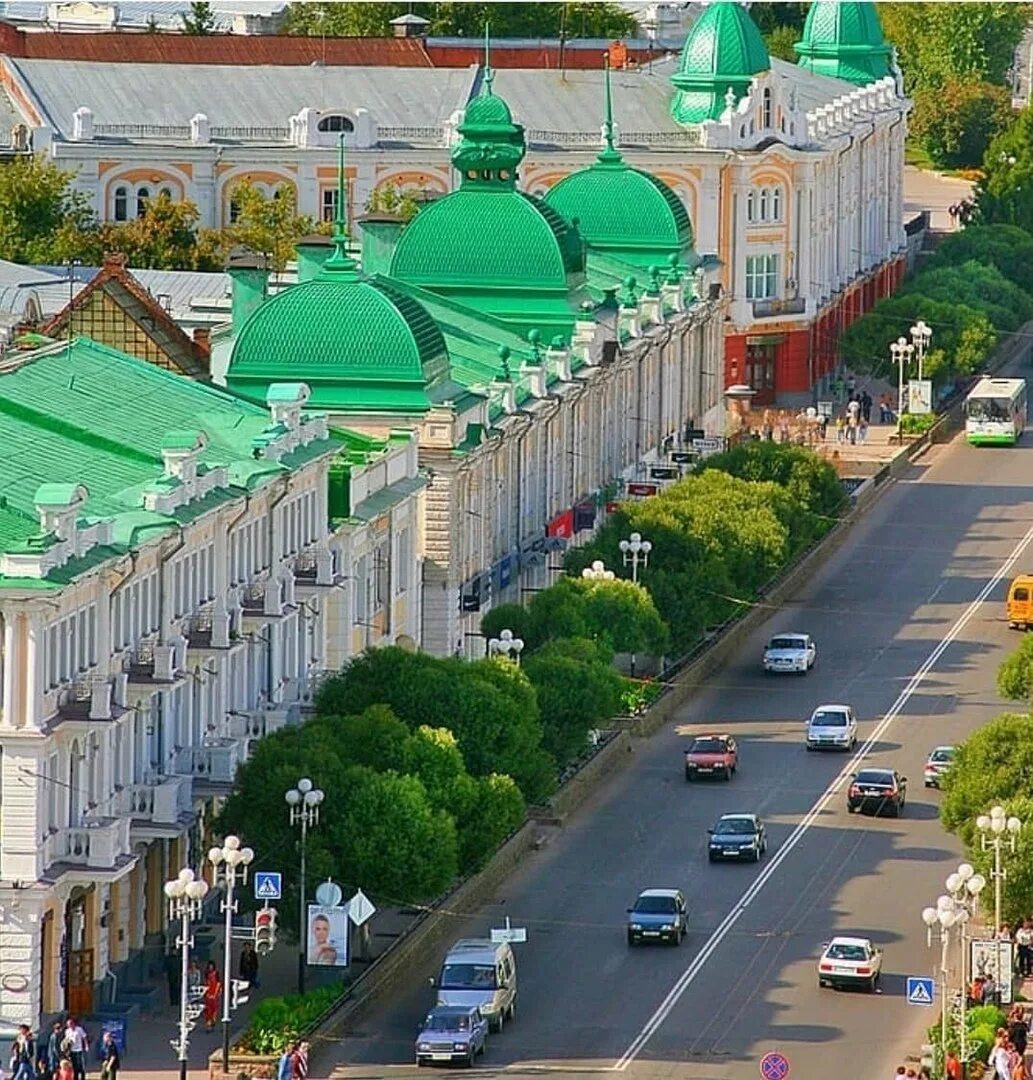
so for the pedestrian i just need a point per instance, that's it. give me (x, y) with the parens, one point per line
(65, 1070)
(299, 1062)
(999, 1059)
(1004, 934)
(195, 982)
(1018, 1029)
(54, 1048)
(866, 406)
(851, 428)
(78, 1043)
(1024, 941)
(23, 1054)
(900, 1071)
(851, 384)
(952, 213)
(862, 431)
(249, 964)
(283, 1067)
(953, 1066)
(112, 1062)
(212, 995)
(989, 990)
(840, 429)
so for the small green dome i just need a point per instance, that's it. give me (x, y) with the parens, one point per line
(487, 111)
(360, 345)
(723, 52)
(845, 41)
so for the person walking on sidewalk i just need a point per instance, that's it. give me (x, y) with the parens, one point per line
(112, 1061)
(283, 1067)
(54, 1049)
(212, 995)
(77, 1043)
(249, 964)
(23, 1054)
(1024, 941)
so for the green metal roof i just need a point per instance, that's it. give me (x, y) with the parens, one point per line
(844, 41)
(86, 414)
(724, 51)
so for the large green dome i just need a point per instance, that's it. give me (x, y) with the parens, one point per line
(723, 52)
(360, 345)
(844, 40)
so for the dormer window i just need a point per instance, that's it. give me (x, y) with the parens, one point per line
(335, 123)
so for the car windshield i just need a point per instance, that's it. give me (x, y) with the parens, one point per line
(944, 754)
(737, 826)
(707, 746)
(445, 1022)
(785, 643)
(468, 977)
(828, 719)
(655, 905)
(847, 952)
(873, 778)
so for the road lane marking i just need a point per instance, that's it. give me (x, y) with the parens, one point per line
(692, 972)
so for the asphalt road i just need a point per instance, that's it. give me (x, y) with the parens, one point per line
(744, 981)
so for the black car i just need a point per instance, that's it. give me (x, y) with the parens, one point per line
(876, 790)
(737, 836)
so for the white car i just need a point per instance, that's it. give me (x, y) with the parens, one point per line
(850, 961)
(790, 652)
(938, 762)
(832, 727)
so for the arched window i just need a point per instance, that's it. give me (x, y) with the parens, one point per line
(335, 123)
(167, 192)
(234, 210)
(766, 109)
(121, 206)
(143, 195)
(751, 206)
(764, 204)
(776, 204)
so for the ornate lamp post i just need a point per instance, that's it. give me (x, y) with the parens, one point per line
(635, 550)
(996, 830)
(964, 886)
(597, 572)
(234, 861)
(506, 645)
(901, 350)
(304, 801)
(944, 917)
(921, 335)
(185, 895)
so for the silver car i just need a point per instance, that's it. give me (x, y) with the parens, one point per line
(786, 653)
(832, 727)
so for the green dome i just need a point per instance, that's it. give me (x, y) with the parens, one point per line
(844, 40)
(487, 111)
(723, 52)
(360, 345)
(623, 210)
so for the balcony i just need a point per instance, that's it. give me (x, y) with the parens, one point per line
(151, 664)
(773, 308)
(214, 764)
(209, 632)
(102, 844)
(313, 569)
(261, 601)
(257, 723)
(160, 803)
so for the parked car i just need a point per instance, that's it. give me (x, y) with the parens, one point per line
(832, 727)
(850, 961)
(737, 836)
(451, 1033)
(875, 790)
(790, 653)
(940, 760)
(658, 915)
(711, 755)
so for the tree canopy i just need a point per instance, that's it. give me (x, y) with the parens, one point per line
(1005, 193)
(956, 122)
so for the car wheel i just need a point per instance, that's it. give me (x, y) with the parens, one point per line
(873, 984)
(851, 809)
(728, 772)
(631, 938)
(420, 1063)
(711, 857)
(468, 1063)
(821, 983)
(511, 1011)
(497, 1024)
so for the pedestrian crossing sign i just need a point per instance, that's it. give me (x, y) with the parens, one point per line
(268, 885)
(920, 990)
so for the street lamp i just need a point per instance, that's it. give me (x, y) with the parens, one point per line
(944, 917)
(921, 335)
(995, 830)
(185, 895)
(234, 861)
(506, 645)
(635, 551)
(964, 886)
(901, 350)
(597, 572)
(304, 803)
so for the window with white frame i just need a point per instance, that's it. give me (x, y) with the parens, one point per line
(71, 646)
(764, 204)
(761, 277)
(329, 204)
(120, 208)
(402, 560)
(335, 123)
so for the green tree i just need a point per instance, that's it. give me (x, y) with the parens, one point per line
(1015, 675)
(513, 617)
(780, 41)
(1007, 248)
(577, 688)
(788, 16)
(163, 237)
(1017, 895)
(387, 199)
(268, 225)
(200, 20)
(37, 205)
(1005, 193)
(956, 121)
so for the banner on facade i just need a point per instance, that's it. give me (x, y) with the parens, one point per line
(584, 515)
(502, 573)
(664, 472)
(562, 525)
(920, 396)
(327, 936)
(643, 489)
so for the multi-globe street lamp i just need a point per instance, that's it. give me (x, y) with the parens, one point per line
(233, 860)
(901, 350)
(185, 895)
(506, 645)
(597, 572)
(964, 886)
(921, 335)
(942, 917)
(996, 830)
(635, 550)
(304, 801)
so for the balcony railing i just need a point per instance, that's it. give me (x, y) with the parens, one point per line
(217, 762)
(161, 802)
(96, 845)
(766, 309)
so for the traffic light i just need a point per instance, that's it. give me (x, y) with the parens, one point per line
(240, 992)
(265, 930)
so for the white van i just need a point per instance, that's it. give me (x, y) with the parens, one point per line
(480, 972)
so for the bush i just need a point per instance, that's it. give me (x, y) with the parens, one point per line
(917, 423)
(1015, 675)
(279, 1021)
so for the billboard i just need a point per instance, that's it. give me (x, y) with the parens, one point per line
(327, 936)
(988, 957)
(919, 396)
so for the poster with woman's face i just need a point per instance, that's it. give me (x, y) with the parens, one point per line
(327, 936)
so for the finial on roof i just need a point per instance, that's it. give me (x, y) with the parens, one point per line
(504, 355)
(489, 75)
(339, 258)
(674, 274)
(609, 153)
(534, 337)
(629, 299)
(654, 281)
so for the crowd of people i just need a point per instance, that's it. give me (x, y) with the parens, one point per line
(960, 213)
(62, 1055)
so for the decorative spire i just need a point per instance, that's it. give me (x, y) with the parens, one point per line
(609, 155)
(489, 75)
(339, 258)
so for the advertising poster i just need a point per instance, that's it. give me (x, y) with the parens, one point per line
(327, 936)
(993, 959)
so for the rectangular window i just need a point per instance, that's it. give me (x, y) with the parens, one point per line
(382, 574)
(402, 561)
(329, 210)
(761, 277)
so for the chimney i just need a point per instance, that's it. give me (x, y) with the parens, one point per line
(249, 274)
(312, 252)
(202, 340)
(410, 26)
(82, 124)
(380, 233)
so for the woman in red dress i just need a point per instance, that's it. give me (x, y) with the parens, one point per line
(212, 995)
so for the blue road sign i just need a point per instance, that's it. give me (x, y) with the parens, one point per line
(920, 990)
(774, 1066)
(268, 885)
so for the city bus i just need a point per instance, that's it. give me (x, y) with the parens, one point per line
(995, 412)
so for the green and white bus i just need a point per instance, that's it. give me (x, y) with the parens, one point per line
(995, 412)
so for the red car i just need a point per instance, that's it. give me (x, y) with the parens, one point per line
(711, 755)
